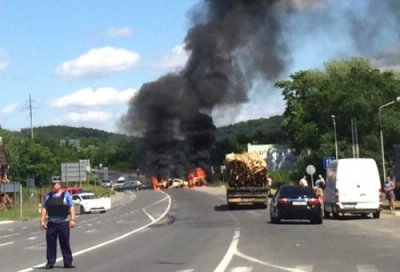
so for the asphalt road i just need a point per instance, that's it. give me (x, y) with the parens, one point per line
(192, 230)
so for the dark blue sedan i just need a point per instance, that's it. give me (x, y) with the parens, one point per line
(295, 202)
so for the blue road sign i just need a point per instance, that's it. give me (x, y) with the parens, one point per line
(326, 161)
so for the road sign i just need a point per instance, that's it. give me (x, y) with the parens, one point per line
(310, 170)
(326, 161)
(75, 171)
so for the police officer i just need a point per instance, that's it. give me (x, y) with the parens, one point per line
(58, 207)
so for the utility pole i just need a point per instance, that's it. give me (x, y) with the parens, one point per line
(30, 114)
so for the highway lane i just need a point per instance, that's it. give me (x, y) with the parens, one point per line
(352, 243)
(198, 233)
(22, 244)
(192, 237)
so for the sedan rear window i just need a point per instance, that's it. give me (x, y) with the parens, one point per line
(295, 191)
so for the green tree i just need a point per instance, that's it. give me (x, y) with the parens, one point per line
(347, 89)
(31, 160)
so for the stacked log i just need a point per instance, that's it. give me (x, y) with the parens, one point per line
(5, 201)
(245, 170)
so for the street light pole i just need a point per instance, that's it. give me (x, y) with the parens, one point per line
(334, 129)
(381, 132)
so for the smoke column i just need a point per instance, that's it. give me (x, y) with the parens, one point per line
(230, 43)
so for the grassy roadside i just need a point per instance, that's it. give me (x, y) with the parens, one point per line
(31, 205)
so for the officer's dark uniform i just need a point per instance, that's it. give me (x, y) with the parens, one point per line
(58, 226)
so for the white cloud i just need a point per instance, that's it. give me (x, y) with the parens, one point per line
(10, 108)
(89, 116)
(176, 59)
(98, 62)
(4, 60)
(118, 32)
(101, 96)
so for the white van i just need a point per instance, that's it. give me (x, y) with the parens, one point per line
(352, 186)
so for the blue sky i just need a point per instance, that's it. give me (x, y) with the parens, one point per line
(82, 61)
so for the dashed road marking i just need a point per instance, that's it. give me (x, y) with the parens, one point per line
(9, 235)
(366, 268)
(242, 269)
(6, 244)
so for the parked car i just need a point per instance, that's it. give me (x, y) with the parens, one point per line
(106, 183)
(72, 190)
(86, 202)
(295, 202)
(132, 185)
(118, 186)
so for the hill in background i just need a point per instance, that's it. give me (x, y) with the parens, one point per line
(252, 131)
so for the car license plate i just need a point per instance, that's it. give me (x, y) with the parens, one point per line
(299, 203)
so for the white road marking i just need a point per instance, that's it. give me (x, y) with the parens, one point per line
(306, 268)
(9, 235)
(112, 240)
(241, 255)
(229, 253)
(185, 270)
(366, 268)
(155, 203)
(6, 244)
(36, 247)
(91, 231)
(32, 238)
(241, 269)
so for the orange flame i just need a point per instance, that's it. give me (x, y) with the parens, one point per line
(197, 177)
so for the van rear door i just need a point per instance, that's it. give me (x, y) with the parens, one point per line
(358, 181)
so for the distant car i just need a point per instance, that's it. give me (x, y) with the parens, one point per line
(56, 178)
(87, 202)
(106, 183)
(175, 183)
(295, 202)
(118, 186)
(132, 185)
(72, 190)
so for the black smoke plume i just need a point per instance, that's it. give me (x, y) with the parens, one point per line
(231, 42)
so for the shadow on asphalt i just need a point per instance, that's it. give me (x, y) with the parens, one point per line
(349, 217)
(292, 222)
(225, 207)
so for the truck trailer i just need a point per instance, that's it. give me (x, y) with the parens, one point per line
(245, 178)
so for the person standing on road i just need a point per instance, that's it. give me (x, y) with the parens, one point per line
(389, 191)
(269, 181)
(58, 207)
(303, 182)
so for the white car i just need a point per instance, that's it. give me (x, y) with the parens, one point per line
(176, 183)
(86, 202)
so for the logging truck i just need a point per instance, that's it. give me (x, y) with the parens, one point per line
(245, 178)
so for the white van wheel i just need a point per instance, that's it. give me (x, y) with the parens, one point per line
(376, 214)
(335, 213)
